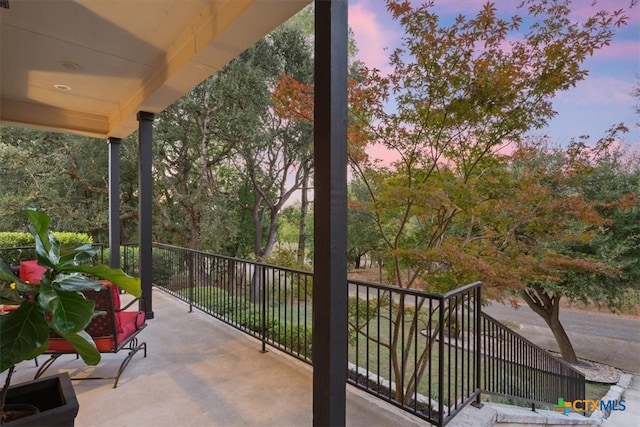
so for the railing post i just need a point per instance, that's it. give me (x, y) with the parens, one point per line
(403, 364)
(478, 343)
(263, 315)
(125, 259)
(441, 345)
(190, 278)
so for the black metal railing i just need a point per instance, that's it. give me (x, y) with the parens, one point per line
(268, 302)
(428, 354)
(415, 349)
(13, 255)
(514, 367)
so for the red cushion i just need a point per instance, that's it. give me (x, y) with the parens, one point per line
(102, 301)
(115, 293)
(59, 345)
(31, 271)
(131, 321)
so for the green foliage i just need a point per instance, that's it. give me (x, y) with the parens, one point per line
(288, 225)
(361, 312)
(66, 175)
(224, 159)
(25, 242)
(163, 268)
(294, 337)
(609, 178)
(299, 286)
(286, 258)
(15, 238)
(364, 236)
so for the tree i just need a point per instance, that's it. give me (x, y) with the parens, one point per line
(456, 95)
(363, 238)
(289, 233)
(533, 230)
(194, 139)
(610, 180)
(277, 160)
(65, 171)
(293, 102)
(224, 155)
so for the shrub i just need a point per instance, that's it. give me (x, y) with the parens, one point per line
(10, 240)
(294, 337)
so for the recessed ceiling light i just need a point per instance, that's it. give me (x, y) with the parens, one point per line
(70, 65)
(62, 87)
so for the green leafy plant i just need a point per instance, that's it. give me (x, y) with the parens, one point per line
(56, 303)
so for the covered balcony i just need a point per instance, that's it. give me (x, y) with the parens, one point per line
(104, 69)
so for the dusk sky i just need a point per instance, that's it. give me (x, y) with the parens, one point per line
(601, 100)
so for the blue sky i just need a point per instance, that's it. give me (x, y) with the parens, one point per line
(601, 100)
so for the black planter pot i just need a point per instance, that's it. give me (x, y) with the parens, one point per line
(53, 396)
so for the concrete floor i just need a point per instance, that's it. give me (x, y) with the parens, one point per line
(201, 372)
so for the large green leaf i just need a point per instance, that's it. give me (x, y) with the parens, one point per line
(47, 246)
(115, 275)
(8, 295)
(75, 282)
(72, 312)
(84, 345)
(5, 272)
(24, 334)
(47, 298)
(77, 255)
(40, 224)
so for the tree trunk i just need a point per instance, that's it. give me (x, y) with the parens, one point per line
(566, 348)
(548, 307)
(232, 277)
(273, 234)
(304, 209)
(257, 218)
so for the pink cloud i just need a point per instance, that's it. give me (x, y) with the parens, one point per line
(584, 9)
(599, 91)
(470, 7)
(371, 35)
(620, 49)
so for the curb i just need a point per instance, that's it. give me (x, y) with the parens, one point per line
(615, 393)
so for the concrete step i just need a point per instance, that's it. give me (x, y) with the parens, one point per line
(499, 415)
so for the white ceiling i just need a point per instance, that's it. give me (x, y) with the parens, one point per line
(88, 66)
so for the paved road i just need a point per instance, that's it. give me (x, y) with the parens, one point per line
(605, 338)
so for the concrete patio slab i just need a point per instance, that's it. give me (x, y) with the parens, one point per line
(202, 372)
